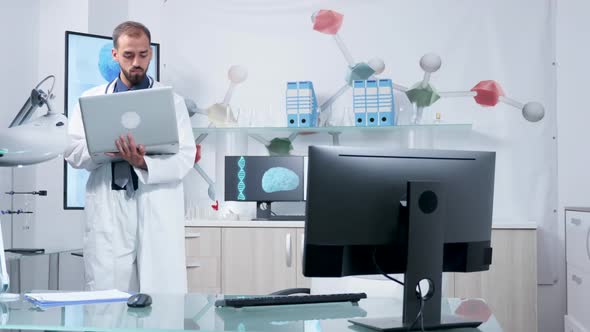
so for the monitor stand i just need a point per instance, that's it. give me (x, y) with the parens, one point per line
(264, 212)
(426, 215)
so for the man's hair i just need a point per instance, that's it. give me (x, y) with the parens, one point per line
(132, 29)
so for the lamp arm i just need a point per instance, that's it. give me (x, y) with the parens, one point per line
(37, 99)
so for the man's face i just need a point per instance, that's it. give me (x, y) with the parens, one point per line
(133, 55)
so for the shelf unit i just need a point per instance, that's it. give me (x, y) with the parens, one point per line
(285, 131)
(409, 136)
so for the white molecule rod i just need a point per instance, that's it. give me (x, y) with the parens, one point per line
(229, 93)
(399, 87)
(511, 102)
(455, 94)
(236, 74)
(211, 189)
(201, 138)
(325, 106)
(343, 49)
(260, 139)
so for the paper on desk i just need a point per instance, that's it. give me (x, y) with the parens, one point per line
(70, 298)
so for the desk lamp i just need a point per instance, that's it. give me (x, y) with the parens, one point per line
(29, 141)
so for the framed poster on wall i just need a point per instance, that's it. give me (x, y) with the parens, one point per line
(89, 63)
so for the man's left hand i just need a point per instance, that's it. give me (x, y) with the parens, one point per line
(130, 151)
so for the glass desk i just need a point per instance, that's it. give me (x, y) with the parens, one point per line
(197, 312)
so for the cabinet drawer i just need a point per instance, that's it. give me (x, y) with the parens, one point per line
(577, 239)
(203, 242)
(578, 288)
(571, 325)
(203, 274)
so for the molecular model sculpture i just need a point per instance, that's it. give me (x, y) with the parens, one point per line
(329, 22)
(485, 93)
(422, 94)
(219, 115)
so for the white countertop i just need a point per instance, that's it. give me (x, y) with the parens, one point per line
(514, 226)
(245, 223)
(301, 224)
(579, 209)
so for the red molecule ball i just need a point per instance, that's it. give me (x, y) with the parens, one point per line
(327, 21)
(488, 93)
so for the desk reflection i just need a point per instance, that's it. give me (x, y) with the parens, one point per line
(285, 318)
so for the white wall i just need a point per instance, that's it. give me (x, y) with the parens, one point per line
(573, 119)
(105, 15)
(275, 41)
(19, 38)
(50, 226)
(573, 113)
(56, 17)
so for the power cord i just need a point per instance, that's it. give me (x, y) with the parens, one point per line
(381, 271)
(420, 314)
(418, 294)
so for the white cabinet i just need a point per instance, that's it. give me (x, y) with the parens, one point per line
(244, 258)
(510, 286)
(203, 259)
(258, 260)
(577, 239)
(570, 325)
(252, 257)
(578, 289)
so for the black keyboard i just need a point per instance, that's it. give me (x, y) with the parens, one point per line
(288, 299)
(25, 251)
(287, 217)
(284, 218)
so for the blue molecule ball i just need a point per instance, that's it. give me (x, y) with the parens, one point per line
(109, 68)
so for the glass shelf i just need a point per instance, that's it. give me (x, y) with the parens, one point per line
(286, 131)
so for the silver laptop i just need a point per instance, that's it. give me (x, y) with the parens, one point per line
(147, 114)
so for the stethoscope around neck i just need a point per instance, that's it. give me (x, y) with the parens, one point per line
(108, 88)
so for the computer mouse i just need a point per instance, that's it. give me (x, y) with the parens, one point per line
(139, 300)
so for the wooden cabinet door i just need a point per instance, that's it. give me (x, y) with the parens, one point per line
(258, 260)
(510, 286)
(203, 259)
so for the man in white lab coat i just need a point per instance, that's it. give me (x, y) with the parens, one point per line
(134, 234)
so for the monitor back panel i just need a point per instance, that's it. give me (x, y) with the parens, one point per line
(358, 192)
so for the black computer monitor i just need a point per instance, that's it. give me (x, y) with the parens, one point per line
(417, 212)
(264, 180)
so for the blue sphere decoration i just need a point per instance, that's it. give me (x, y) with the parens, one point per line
(108, 67)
